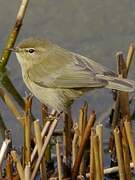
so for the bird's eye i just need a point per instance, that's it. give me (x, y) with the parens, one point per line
(32, 50)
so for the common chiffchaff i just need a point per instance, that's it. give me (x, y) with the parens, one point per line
(57, 76)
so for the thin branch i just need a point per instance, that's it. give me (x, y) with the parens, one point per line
(10, 104)
(48, 137)
(13, 35)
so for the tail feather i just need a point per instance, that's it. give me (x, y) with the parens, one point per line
(117, 83)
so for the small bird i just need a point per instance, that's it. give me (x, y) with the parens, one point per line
(57, 76)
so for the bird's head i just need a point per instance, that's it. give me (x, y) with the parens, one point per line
(31, 51)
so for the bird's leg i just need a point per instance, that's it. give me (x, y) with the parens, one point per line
(67, 141)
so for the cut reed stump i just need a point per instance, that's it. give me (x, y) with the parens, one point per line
(129, 134)
(92, 160)
(119, 151)
(126, 154)
(98, 174)
(86, 136)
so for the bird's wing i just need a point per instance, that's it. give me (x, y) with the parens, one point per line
(63, 69)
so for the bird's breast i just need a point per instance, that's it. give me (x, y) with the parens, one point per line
(48, 96)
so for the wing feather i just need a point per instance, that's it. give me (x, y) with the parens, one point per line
(63, 69)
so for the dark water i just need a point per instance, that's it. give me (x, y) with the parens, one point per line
(94, 28)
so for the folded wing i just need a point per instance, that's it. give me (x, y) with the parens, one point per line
(63, 69)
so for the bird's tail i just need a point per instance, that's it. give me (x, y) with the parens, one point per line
(118, 83)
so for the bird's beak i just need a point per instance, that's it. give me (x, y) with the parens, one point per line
(13, 49)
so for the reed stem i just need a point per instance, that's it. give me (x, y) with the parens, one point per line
(129, 134)
(48, 137)
(92, 160)
(39, 143)
(18, 164)
(13, 35)
(27, 172)
(99, 132)
(43, 133)
(119, 152)
(59, 161)
(126, 155)
(82, 145)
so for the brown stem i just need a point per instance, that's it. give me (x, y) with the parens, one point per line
(75, 143)
(48, 137)
(67, 135)
(82, 145)
(119, 152)
(43, 133)
(99, 132)
(13, 35)
(130, 139)
(9, 167)
(108, 171)
(82, 124)
(59, 161)
(39, 143)
(124, 100)
(18, 164)
(27, 139)
(130, 54)
(97, 157)
(92, 161)
(10, 104)
(126, 155)
(8, 85)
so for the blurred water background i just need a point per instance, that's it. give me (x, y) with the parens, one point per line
(94, 28)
